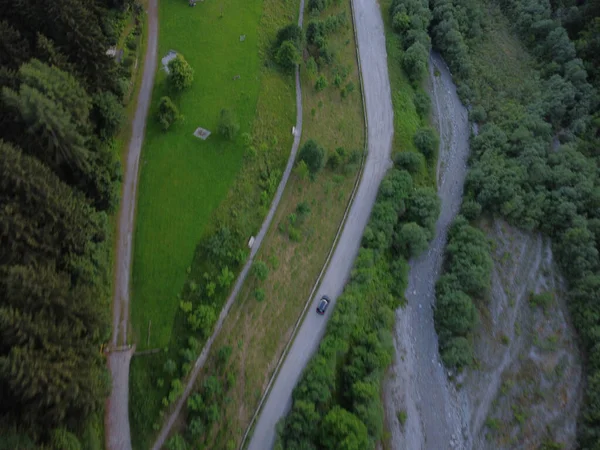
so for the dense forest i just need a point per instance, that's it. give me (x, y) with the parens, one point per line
(60, 108)
(534, 162)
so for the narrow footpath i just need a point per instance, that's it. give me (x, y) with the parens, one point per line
(117, 431)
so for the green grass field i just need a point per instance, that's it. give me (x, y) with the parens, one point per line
(183, 179)
(188, 186)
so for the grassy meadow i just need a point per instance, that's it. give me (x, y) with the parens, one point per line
(188, 186)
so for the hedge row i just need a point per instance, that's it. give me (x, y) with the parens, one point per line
(337, 403)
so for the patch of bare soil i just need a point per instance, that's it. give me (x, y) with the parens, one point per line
(526, 389)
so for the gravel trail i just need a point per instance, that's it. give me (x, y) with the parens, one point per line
(117, 412)
(419, 384)
(373, 62)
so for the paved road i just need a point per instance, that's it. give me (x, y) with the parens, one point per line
(164, 433)
(117, 414)
(373, 58)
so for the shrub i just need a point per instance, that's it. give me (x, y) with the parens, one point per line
(177, 442)
(423, 207)
(543, 299)
(414, 62)
(409, 161)
(402, 416)
(470, 209)
(291, 32)
(311, 67)
(65, 440)
(333, 161)
(302, 210)
(426, 141)
(131, 44)
(107, 114)
(422, 104)
(478, 114)
(181, 75)
(348, 89)
(287, 55)
(457, 352)
(321, 83)
(317, 6)
(128, 62)
(411, 240)
(313, 155)
(167, 113)
(203, 319)
(259, 294)
(260, 270)
(228, 126)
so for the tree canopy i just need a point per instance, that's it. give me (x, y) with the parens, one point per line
(60, 108)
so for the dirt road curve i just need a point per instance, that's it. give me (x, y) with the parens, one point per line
(117, 414)
(419, 384)
(373, 57)
(242, 276)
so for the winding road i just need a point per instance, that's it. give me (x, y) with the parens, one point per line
(117, 413)
(373, 61)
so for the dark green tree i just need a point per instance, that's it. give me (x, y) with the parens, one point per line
(287, 55)
(342, 430)
(181, 74)
(167, 113)
(313, 155)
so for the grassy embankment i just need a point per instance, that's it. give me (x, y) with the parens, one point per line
(295, 247)
(187, 186)
(406, 118)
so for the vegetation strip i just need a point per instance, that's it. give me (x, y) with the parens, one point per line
(331, 250)
(533, 160)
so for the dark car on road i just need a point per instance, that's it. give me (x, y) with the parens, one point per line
(323, 304)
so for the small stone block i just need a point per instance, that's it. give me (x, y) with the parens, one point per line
(201, 133)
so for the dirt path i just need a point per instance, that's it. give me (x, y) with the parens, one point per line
(117, 414)
(164, 433)
(419, 384)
